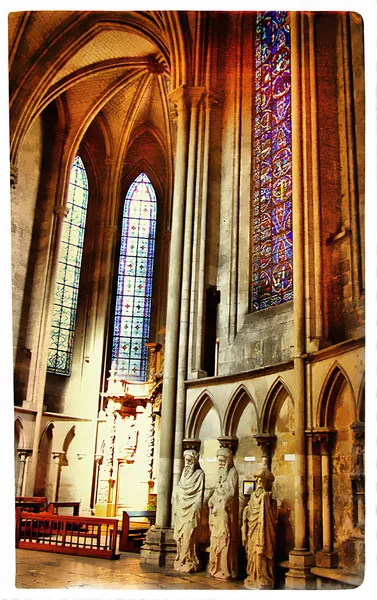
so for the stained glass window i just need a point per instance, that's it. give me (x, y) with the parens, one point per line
(68, 275)
(134, 288)
(272, 202)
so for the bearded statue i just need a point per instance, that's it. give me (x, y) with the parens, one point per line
(187, 501)
(223, 519)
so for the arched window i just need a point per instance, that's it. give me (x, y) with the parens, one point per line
(68, 276)
(272, 203)
(134, 287)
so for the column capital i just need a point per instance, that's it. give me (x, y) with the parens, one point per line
(325, 438)
(195, 94)
(98, 459)
(228, 441)
(191, 444)
(61, 211)
(267, 442)
(57, 455)
(179, 98)
(23, 453)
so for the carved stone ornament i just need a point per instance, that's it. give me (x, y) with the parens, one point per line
(187, 501)
(223, 519)
(259, 523)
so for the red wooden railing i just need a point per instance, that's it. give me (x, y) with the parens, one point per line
(86, 536)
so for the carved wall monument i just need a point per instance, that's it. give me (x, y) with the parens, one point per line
(223, 519)
(259, 522)
(187, 503)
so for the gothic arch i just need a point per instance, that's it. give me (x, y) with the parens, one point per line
(199, 411)
(360, 405)
(67, 442)
(19, 433)
(48, 429)
(238, 402)
(334, 382)
(273, 403)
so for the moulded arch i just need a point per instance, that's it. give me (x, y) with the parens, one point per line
(360, 406)
(240, 398)
(67, 442)
(274, 400)
(47, 430)
(203, 404)
(335, 379)
(19, 432)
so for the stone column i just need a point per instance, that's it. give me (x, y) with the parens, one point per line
(23, 454)
(178, 96)
(357, 474)
(194, 96)
(300, 558)
(326, 557)
(56, 457)
(267, 441)
(36, 388)
(98, 459)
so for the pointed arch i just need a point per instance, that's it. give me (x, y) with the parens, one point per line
(335, 380)
(67, 442)
(48, 430)
(19, 433)
(274, 400)
(240, 398)
(360, 406)
(203, 404)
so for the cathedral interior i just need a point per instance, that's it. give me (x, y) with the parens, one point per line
(188, 248)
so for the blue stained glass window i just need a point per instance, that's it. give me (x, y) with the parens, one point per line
(68, 275)
(272, 202)
(134, 287)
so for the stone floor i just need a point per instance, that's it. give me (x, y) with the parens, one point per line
(38, 570)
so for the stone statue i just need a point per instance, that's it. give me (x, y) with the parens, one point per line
(223, 519)
(259, 522)
(187, 503)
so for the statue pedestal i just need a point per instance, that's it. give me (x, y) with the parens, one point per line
(299, 576)
(159, 548)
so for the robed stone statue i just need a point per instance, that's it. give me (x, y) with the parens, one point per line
(223, 519)
(259, 522)
(187, 503)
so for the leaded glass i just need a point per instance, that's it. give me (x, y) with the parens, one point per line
(134, 286)
(272, 200)
(68, 275)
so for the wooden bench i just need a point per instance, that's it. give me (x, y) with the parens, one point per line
(85, 536)
(133, 532)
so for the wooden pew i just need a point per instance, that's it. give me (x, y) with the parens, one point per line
(134, 532)
(85, 536)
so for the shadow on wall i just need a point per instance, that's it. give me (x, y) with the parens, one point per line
(284, 532)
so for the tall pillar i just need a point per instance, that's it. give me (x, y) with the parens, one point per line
(194, 96)
(326, 557)
(300, 558)
(159, 547)
(178, 96)
(36, 388)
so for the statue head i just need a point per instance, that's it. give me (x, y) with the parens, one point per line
(225, 462)
(264, 479)
(191, 458)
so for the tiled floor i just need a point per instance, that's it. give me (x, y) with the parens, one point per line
(37, 570)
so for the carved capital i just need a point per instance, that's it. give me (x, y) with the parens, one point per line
(179, 98)
(61, 211)
(228, 441)
(325, 438)
(13, 175)
(267, 442)
(57, 456)
(155, 66)
(191, 444)
(194, 95)
(358, 432)
(23, 453)
(98, 459)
